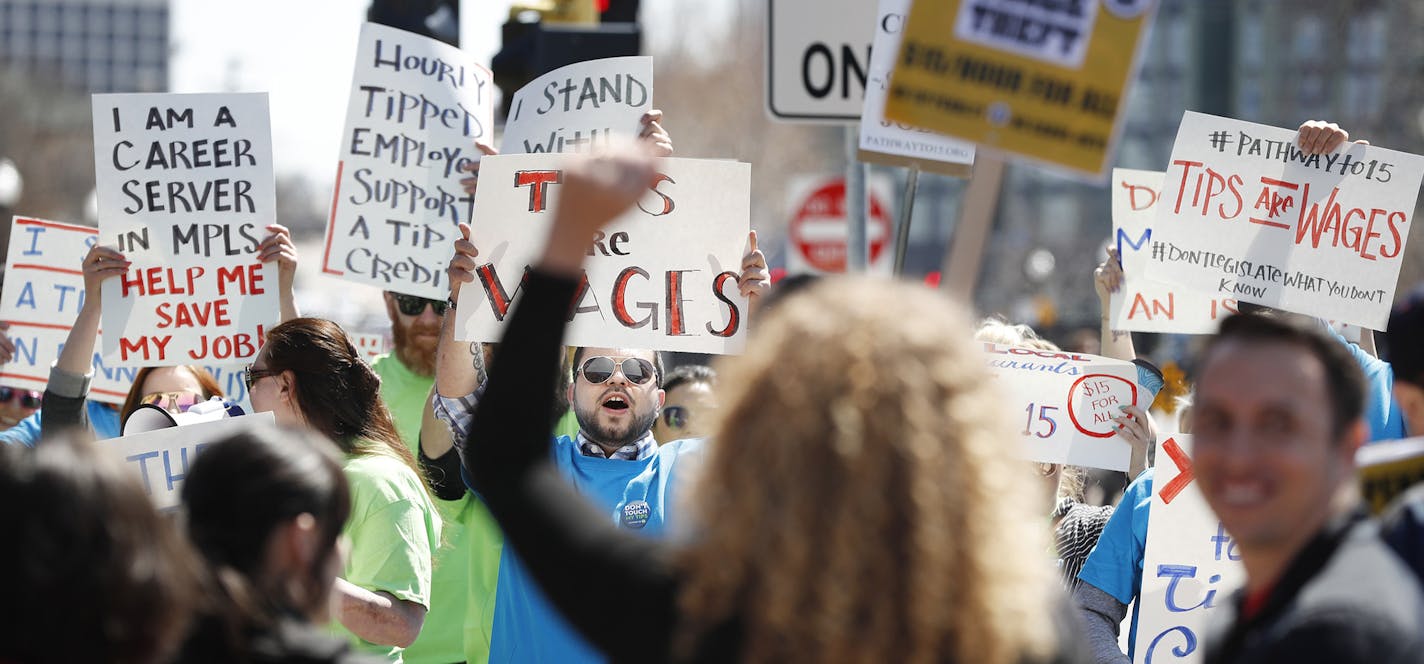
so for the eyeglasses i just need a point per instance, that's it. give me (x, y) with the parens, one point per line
(676, 416)
(599, 369)
(252, 374)
(26, 398)
(173, 402)
(412, 305)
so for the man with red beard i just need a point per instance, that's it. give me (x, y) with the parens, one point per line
(408, 371)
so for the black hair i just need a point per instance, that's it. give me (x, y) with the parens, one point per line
(1344, 381)
(689, 373)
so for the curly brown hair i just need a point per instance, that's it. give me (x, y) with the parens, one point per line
(860, 503)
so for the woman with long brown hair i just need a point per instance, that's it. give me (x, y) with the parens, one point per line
(858, 504)
(310, 376)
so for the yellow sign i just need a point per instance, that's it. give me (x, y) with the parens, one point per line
(1043, 79)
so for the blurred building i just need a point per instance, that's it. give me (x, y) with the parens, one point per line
(88, 45)
(1276, 62)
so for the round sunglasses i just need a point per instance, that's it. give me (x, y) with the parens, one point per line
(599, 369)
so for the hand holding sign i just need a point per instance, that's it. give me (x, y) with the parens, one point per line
(101, 263)
(754, 279)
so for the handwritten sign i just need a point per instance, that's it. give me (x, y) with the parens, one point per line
(1191, 566)
(661, 277)
(897, 144)
(371, 346)
(1066, 402)
(1245, 214)
(185, 191)
(580, 107)
(1046, 81)
(1144, 305)
(416, 107)
(161, 458)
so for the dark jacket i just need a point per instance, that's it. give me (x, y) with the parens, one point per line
(1345, 598)
(290, 641)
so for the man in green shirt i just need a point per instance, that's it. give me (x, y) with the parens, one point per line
(407, 375)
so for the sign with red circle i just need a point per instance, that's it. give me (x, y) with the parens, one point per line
(818, 229)
(1094, 400)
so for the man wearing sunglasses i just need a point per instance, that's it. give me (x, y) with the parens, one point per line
(612, 459)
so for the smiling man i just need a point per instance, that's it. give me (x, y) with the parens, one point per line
(1276, 426)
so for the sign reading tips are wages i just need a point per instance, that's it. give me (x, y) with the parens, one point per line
(886, 142)
(416, 108)
(1043, 80)
(1141, 304)
(1245, 214)
(581, 107)
(662, 277)
(1066, 402)
(1190, 566)
(185, 192)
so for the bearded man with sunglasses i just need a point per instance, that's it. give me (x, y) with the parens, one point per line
(612, 459)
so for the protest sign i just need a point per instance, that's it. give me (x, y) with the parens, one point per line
(1388, 469)
(417, 106)
(1066, 402)
(161, 458)
(1046, 81)
(662, 277)
(185, 192)
(1141, 304)
(894, 143)
(1245, 214)
(581, 107)
(371, 346)
(44, 289)
(1190, 566)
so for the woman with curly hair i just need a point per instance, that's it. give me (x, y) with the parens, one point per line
(858, 503)
(310, 376)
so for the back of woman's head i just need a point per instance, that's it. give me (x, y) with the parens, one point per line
(337, 392)
(861, 501)
(240, 490)
(95, 573)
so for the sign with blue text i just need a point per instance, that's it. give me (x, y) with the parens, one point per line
(161, 457)
(1190, 567)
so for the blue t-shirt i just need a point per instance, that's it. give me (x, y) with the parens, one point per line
(103, 418)
(1381, 413)
(634, 495)
(1115, 565)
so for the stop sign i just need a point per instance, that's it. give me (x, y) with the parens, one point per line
(818, 229)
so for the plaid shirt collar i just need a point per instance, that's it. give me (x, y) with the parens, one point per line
(636, 451)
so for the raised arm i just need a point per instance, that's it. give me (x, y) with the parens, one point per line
(277, 246)
(1108, 279)
(506, 454)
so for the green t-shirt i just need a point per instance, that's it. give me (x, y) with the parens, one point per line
(393, 531)
(440, 640)
(485, 544)
(405, 395)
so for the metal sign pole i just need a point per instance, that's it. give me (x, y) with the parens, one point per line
(857, 249)
(902, 231)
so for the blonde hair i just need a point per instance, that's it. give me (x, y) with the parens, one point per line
(860, 503)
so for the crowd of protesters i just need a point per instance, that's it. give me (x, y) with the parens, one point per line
(843, 491)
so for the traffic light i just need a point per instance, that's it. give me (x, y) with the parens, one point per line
(534, 48)
(438, 19)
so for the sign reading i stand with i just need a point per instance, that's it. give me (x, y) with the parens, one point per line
(818, 55)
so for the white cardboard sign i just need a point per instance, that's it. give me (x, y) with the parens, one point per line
(185, 191)
(661, 277)
(161, 457)
(893, 142)
(1066, 402)
(417, 106)
(580, 107)
(1190, 567)
(1245, 214)
(1144, 305)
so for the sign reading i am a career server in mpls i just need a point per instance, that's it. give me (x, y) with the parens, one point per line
(1046, 81)
(1245, 213)
(416, 108)
(185, 191)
